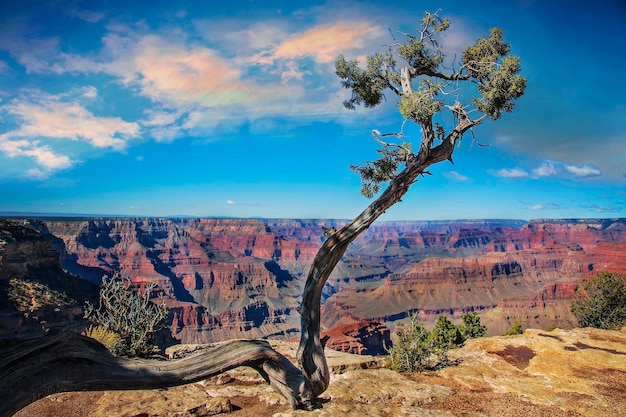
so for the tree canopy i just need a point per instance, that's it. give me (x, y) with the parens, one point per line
(485, 83)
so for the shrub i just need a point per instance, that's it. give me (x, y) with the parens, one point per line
(132, 316)
(417, 349)
(601, 302)
(412, 349)
(515, 329)
(108, 338)
(472, 327)
(444, 337)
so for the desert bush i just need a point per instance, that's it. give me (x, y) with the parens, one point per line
(108, 338)
(471, 327)
(445, 336)
(131, 316)
(515, 329)
(417, 349)
(412, 349)
(601, 301)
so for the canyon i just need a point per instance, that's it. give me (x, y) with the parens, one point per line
(242, 278)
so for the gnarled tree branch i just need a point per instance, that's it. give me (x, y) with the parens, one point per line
(67, 361)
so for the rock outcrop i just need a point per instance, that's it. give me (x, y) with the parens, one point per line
(36, 294)
(575, 373)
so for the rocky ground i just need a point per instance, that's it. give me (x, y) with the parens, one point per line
(580, 372)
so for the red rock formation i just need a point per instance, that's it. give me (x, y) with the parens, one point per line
(363, 338)
(242, 278)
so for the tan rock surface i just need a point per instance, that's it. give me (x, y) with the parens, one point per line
(580, 372)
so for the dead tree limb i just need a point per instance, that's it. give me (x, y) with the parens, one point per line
(66, 361)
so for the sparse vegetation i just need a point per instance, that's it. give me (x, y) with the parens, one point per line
(32, 298)
(471, 327)
(515, 329)
(601, 301)
(417, 349)
(108, 338)
(129, 315)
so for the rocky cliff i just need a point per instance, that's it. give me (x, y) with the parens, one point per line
(36, 294)
(226, 278)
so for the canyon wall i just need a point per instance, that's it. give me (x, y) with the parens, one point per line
(226, 278)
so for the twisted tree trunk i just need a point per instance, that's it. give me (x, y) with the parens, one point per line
(66, 361)
(311, 351)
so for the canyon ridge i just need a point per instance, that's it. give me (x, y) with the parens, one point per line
(242, 278)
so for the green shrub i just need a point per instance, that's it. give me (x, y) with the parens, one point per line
(417, 349)
(132, 316)
(601, 301)
(445, 336)
(515, 329)
(472, 327)
(411, 350)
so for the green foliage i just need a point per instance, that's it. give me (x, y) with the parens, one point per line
(131, 316)
(601, 302)
(471, 327)
(552, 327)
(515, 329)
(412, 349)
(383, 169)
(417, 349)
(416, 70)
(445, 336)
(366, 85)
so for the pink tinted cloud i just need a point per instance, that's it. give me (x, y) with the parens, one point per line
(173, 73)
(324, 43)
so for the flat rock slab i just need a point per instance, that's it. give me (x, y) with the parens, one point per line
(580, 372)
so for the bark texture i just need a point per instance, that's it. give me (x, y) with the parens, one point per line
(66, 361)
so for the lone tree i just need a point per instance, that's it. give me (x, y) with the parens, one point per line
(601, 301)
(431, 91)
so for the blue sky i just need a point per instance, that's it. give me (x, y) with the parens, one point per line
(234, 109)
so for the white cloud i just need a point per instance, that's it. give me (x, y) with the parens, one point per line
(510, 173)
(50, 117)
(324, 42)
(546, 169)
(230, 202)
(90, 91)
(583, 171)
(536, 207)
(455, 176)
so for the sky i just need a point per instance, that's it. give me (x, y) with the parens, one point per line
(233, 109)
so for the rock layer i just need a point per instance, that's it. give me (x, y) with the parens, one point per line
(226, 278)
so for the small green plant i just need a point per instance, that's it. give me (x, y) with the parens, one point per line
(472, 328)
(131, 316)
(445, 336)
(515, 329)
(108, 338)
(417, 349)
(601, 301)
(552, 327)
(411, 350)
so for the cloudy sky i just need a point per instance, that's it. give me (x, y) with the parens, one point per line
(209, 108)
